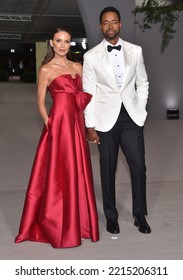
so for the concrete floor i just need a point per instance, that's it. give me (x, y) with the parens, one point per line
(20, 128)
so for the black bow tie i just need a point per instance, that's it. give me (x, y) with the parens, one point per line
(110, 48)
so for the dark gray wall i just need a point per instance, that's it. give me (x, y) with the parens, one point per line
(164, 71)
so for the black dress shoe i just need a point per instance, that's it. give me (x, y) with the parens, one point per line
(112, 226)
(142, 224)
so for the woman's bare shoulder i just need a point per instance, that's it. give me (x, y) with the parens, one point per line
(78, 67)
(45, 70)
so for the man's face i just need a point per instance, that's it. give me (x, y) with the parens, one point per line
(110, 26)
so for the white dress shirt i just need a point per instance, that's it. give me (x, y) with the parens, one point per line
(117, 60)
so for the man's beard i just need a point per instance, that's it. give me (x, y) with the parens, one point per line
(111, 36)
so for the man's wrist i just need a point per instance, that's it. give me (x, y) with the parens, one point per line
(91, 128)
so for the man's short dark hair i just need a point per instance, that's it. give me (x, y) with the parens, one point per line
(109, 9)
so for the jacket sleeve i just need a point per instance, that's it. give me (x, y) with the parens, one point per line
(142, 84)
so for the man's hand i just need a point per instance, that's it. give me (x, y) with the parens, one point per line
(92, 135)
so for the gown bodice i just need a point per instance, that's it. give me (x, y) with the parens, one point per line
(66, 84)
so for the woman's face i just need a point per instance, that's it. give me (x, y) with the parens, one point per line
(61, 43)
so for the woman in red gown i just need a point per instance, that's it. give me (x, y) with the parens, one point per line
(60, 206)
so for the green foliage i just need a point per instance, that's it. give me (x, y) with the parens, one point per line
(155, 12)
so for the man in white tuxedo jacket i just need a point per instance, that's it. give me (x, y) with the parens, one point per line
(114, 73)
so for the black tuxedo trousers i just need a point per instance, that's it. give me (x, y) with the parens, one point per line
(128, 136)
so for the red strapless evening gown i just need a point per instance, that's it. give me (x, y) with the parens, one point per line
(60, 205)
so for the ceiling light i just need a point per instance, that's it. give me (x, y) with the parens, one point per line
(84, 44)
(73, 43)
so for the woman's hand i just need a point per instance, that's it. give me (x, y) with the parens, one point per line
(46, 122)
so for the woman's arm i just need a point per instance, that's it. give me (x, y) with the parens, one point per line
(41, 93)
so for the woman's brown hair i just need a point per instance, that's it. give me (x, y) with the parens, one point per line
(50, 52)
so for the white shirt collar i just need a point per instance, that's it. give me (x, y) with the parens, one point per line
(120, 42)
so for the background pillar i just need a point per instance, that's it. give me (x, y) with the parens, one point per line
(41, 50)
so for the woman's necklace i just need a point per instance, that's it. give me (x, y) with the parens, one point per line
(63, 65)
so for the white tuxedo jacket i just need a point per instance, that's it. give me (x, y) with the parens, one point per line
(99, 80)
